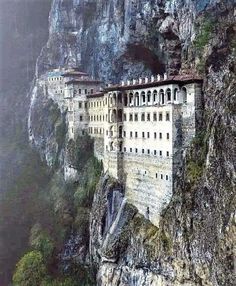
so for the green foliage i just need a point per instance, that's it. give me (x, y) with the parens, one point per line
(195, 164)
(41, 241)
(205, 34)
(30, 270)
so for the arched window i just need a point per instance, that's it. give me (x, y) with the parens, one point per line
(168, 94)
(162, 96)
(125, 100)
(120, 97)
(120, 131)
(149, 97)
(136, 99)
(114, 99)
(120, 146)
(143, 95)
(111, 131)
(113, 117)
(111, 146)
(184, 94)
(119, 115)
(131, 99)
(175, 94)
(154, 96)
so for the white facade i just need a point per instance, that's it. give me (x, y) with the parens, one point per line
(140, 129)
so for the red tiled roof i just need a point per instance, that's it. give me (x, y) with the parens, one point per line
(97, 94)
(169, 80)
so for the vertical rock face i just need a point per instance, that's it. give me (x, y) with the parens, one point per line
(117, 39)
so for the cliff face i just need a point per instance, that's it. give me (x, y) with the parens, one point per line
(117, 39)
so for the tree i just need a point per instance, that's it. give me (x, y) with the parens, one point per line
(30, 270)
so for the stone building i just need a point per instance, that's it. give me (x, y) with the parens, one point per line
(140, 130)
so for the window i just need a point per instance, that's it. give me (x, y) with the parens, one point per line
(131, 117)
(80, 104)
(149, 96)
(160, 135)
(167, 116)
(107, 147)
(167, 136)
(148, 135)
(136, 117)
(106, 117)
(124, 134)
(143, 151)
(156, 175)
(79, 91)
(131, 134)
(136, 150)
(155, 152)
(154, 116)
(136, 134)
(143, 134)
(167, 177)
(91, 90)
(155, 135)
(160, 116)
(81, 118)
(130, 150)
(167, 154)
(175, 93)
(85, 105)
(160, 153)
(148, 117)
(107, 132)
(124, 116)
(85, 91)
(168, 93)
(124, 149)
(161, 176)
(143, 117)
(148, 151)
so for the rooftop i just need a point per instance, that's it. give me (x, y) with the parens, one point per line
(154, 81)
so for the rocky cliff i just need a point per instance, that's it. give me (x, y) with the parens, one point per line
(117, 39)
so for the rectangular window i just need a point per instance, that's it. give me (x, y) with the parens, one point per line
(130, 150)
(167, 136)
(167, 154)
(136, 117)
(160, 153)
(91, 90)
(143, 117)
(161, 176)
(148, 135)
(131, 117)
(79, 91)
(160, 116)
(107, 132)
(167, 116)
(124, 116)
(143, 151)
(167, 177)
(136, 134)
(155, 152)
(85, 105)
(81, 118)
(80, 104)
(131, 134)
(124, 149)
(124, 134)
(160, 135)
(143, 134)
(148, 151)
(155, 135)
(136, 150)
(148, 117)
(85, 91)
(156, 175)
(154, 117)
